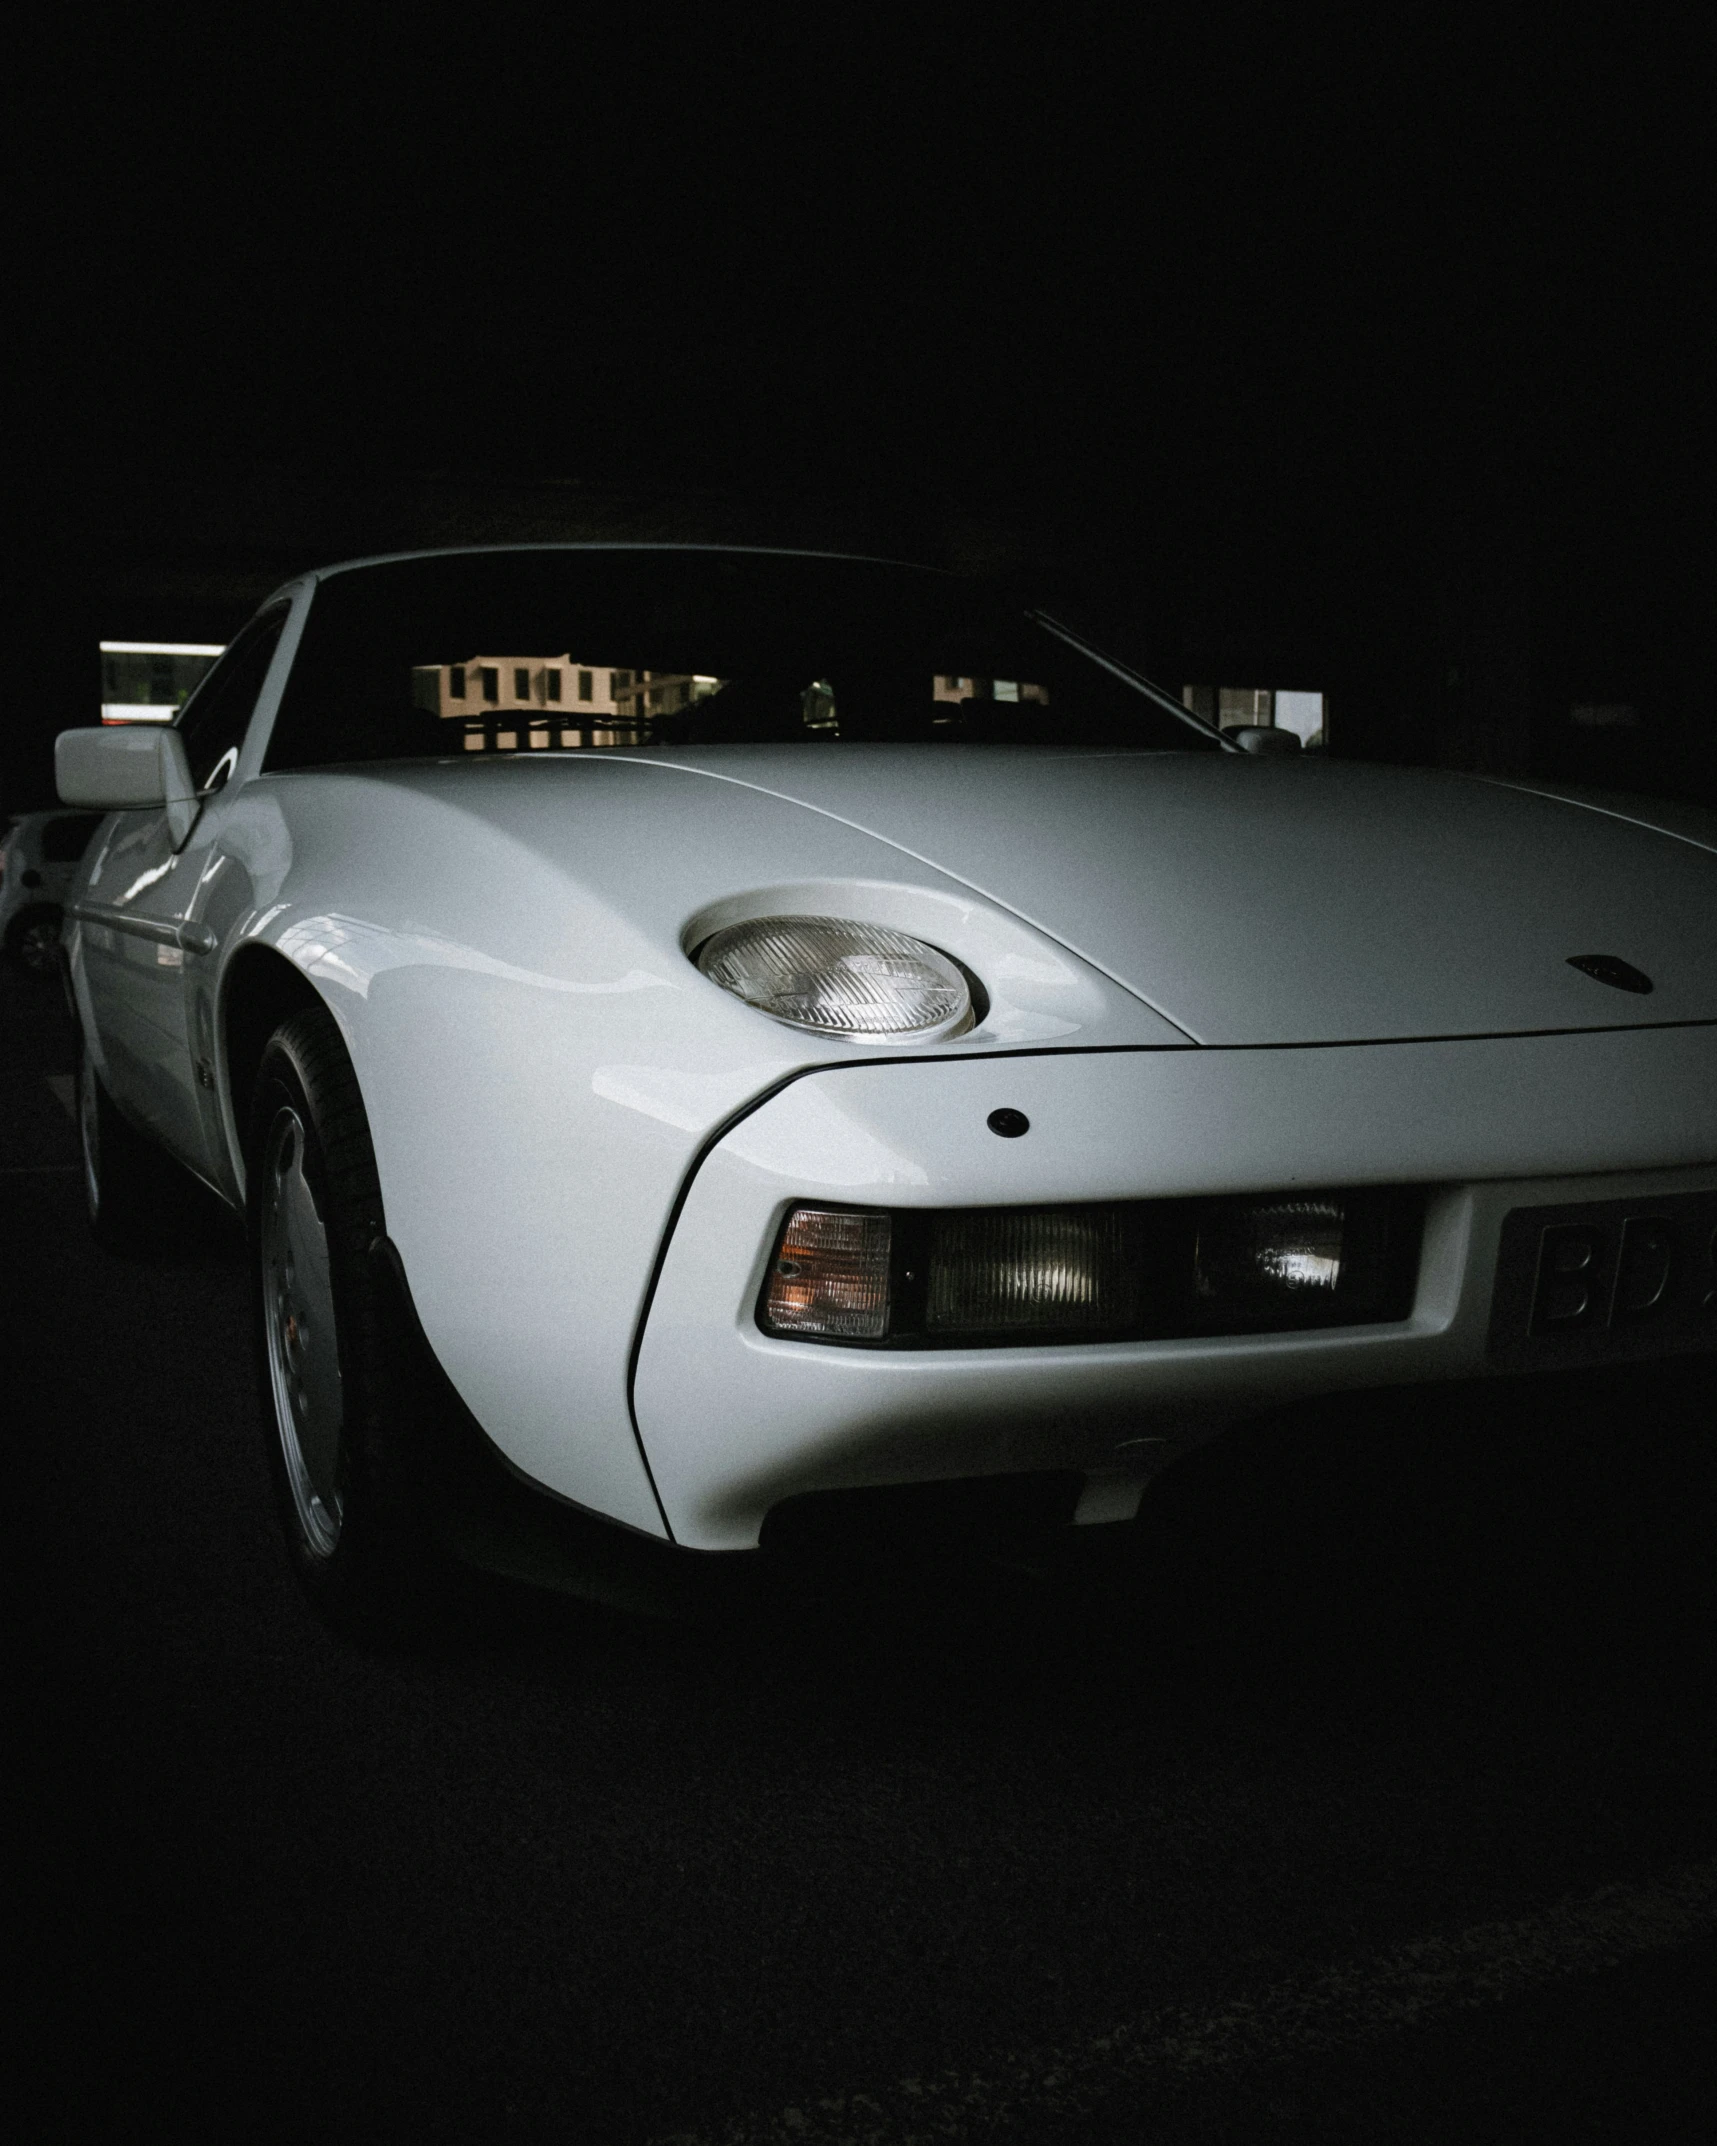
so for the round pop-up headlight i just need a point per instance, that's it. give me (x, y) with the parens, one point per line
(839, 979)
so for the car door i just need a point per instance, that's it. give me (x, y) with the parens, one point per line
(137, 901)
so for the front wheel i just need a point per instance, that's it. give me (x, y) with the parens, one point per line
(331, 1388)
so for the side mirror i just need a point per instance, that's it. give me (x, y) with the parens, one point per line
(1263, 738)
(128, 768)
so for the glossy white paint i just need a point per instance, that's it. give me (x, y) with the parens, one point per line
(1294, 900)
(128, 975)
(1687, 821)
(126, 769)
(733, 1419)
(504, 943)
(141, 952)
(541, 1060)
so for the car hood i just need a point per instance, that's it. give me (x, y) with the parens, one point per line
(1262, 901)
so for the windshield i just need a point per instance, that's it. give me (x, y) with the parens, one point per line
(514, 652)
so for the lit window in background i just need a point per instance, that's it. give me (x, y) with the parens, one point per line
(1305, 714)
(150, 681)
(1302, 713)
(943, 688)
(1242, 707)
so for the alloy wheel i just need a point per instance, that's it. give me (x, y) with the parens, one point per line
(89, 1134)
(302, 1339)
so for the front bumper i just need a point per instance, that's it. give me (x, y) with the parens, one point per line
(733, 1421)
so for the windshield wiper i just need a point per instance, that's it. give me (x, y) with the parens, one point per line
(1128, 676)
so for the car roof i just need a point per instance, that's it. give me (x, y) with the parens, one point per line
(456, 551)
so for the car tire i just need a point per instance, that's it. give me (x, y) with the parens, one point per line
(132, 1191)
(334, 1394)
(33, 943)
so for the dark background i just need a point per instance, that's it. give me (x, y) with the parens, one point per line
(1359, 350)
(1341, 350)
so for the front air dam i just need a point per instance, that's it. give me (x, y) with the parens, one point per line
(733, 1420)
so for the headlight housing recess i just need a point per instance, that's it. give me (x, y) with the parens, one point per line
(1130, 1270)
(838, 978)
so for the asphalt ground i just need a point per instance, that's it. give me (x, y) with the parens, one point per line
(1371, 1796)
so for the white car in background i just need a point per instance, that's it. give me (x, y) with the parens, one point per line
(706, 1037)
(39, 857)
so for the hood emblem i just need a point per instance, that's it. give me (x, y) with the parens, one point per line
(1611, 969)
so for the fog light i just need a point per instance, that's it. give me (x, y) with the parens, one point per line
(829, 1275)
(1255, 1256)
(1062, 1270)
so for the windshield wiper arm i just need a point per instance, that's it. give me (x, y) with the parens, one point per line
(1128, 676)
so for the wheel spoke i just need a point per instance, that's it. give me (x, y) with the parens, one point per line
(302, 1335)
(89, 1131)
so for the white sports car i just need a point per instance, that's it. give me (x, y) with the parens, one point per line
(701, 1036)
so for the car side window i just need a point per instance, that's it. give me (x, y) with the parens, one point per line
(216, 718)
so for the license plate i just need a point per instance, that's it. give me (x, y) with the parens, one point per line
(1605, 1281)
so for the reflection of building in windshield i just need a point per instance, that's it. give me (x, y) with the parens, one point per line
(509, 703)
(150, 681)
(1003, 689)
(656, 693)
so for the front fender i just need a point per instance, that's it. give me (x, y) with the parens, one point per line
(541, 1063)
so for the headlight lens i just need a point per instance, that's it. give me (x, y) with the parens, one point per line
(1270, 1252)
(838, 979)
(1129, 1270)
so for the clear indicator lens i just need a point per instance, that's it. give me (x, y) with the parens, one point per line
(830, 1275)
(1065, 1270)
(1263, 1253)
(837, 978)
